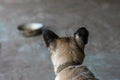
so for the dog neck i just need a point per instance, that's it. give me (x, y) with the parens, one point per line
(63, 66)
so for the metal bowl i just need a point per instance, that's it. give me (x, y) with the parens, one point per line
(31, 29)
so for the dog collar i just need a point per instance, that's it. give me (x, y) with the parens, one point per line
(63, 66)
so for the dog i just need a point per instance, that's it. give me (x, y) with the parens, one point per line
(67, 53)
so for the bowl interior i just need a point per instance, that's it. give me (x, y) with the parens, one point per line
(31, 26)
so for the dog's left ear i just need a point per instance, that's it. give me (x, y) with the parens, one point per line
(49, 36)
(82, 34)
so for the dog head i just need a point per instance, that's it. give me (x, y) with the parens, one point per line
(66, 49)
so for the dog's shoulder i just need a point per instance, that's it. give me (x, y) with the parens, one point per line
(76, 73)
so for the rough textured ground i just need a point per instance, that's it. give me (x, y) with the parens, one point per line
(29, 59)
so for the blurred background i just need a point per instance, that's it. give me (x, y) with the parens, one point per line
(29, 59)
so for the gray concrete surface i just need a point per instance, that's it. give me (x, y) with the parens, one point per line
(28, 58)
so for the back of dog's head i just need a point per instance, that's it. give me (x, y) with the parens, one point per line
(67, 49)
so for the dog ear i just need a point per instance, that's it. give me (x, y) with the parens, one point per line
(49, 36)
(82, 33)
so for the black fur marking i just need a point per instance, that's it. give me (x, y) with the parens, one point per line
(49, 36)
(83, 33)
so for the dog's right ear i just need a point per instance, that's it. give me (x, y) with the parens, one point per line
(82, 35)
(49, 36)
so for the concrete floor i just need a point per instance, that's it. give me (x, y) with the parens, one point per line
(28, 58)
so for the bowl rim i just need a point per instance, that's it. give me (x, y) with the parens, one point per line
(30, 26)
